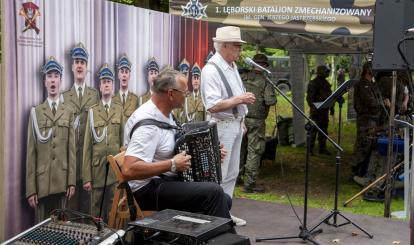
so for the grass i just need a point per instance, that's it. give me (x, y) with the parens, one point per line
(286, 173)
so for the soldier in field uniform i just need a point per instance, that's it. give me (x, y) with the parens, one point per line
(255, 140)
(319, 90)
(51, 149)
(80, 97)
(152, 71)
(103, 137)
(126, 98)
(194, 108)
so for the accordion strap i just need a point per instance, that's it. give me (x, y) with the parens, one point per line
(154, 122)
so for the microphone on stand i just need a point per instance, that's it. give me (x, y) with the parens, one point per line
(250, 62)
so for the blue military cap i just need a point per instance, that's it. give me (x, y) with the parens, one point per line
(153, 65)
(52, 65)
(79, 52)
(184, 66)
(124, 62)
(105, 72)
(196, 70)
(208, 57)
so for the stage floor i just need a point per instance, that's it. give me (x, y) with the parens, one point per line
(266, 219)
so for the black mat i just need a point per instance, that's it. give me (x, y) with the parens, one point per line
(266, 219)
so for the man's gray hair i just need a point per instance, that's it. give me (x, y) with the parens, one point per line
(167, 79)
(218, 46)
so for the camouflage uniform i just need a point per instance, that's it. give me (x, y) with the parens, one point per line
(319, 90)
(256, 83)
(367, 104)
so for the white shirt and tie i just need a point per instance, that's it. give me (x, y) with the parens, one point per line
(53, 104)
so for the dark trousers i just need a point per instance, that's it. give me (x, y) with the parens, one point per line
(322, 120)
(196, 197)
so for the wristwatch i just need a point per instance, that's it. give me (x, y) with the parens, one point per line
(173, 167)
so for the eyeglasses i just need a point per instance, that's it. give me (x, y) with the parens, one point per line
(185, 93)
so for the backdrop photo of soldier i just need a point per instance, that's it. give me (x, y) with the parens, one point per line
(107, 31)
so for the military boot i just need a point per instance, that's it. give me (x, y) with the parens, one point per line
(362, 181)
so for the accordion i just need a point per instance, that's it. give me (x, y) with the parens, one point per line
(200, 140)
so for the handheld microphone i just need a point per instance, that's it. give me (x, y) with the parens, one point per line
(250, 62)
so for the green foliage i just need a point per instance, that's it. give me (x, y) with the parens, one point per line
(285, 175)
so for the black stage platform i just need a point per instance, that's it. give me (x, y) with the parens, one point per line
(268, 219)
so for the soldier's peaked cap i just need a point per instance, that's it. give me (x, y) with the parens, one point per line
(124, 62)
(153, 65)
(196, 69)
(184, 66)
(208, 57)
(52, 65)
(79, 52)
(105, 72)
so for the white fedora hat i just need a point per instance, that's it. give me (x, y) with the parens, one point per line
(228, 34)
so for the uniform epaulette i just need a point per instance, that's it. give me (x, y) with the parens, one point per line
(133, 95)
(116, 102)
(94, 105)
(93, 89)
(67, 90)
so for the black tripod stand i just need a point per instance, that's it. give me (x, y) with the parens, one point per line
(304, 234)
(335, 212)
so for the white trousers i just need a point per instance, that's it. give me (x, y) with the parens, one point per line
(230, 135)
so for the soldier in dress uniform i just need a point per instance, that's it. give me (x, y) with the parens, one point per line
(103, 137)
(153, 69)
(51, 149)
(80, 97)
(194, 108)
(208, 57)
(255, 140)
(179, 113)
(126, 98)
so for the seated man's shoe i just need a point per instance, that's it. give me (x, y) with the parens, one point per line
(253, 188)
(237, 221)
(362, 181)
(325, 152)
(374, 196)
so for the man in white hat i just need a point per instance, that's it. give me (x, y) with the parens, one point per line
(225, 98)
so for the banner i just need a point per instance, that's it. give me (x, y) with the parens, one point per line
(39, 29)
(337, 17)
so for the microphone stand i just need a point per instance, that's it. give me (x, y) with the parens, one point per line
(304, 234)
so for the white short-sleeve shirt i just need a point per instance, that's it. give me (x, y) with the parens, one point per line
(213, 89)
(149, 143)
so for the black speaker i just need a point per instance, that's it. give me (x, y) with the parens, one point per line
(392, 19)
